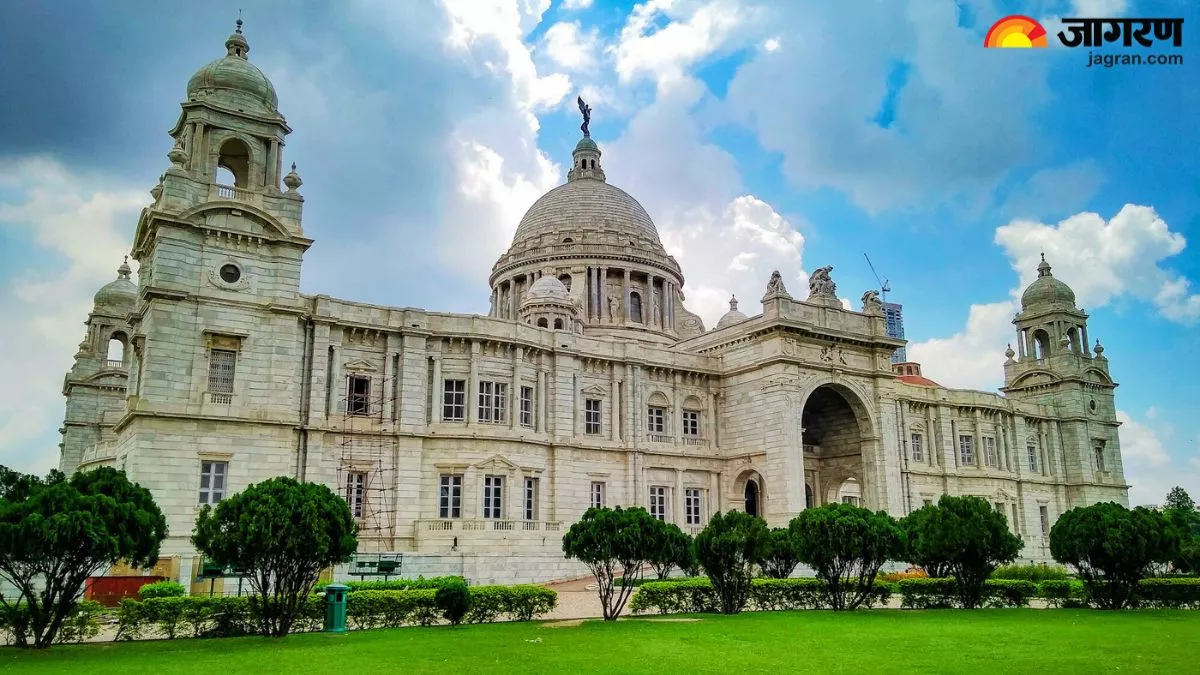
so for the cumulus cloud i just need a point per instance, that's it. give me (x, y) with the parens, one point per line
(693, 31)
(1101, 260)
(570, 47)
(1150, 468)
(576, 4)
(84, 229)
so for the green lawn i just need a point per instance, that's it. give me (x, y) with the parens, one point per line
(991, 641)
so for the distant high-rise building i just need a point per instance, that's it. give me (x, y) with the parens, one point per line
(894, 314)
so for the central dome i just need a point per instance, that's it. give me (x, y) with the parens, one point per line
(586, 204)
(233, 82)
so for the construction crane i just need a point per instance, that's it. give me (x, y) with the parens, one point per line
(883, 285)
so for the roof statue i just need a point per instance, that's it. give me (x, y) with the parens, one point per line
(871, 303)
(775, 288)
(821, 284)
(586, 110)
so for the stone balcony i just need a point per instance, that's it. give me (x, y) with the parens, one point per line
(99, 454)
(487, 535)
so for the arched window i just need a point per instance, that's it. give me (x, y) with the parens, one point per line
(235, 157)
(752, 497)
(808, 496)
(542, 323)
(1041, 344)
(1073, 339)
(566, 280)
(116, 350)
(635, 307)
(558, 324)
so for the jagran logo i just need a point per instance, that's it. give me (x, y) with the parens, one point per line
(1019, 31)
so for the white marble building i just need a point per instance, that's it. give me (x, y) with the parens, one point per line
(475, 440)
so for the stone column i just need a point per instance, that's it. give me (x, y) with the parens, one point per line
(650, 305)
(603, 289)
(514, 389)
(614, 404)
(1086, 346)
(635, 403)
(626, 316)
(388, 407)
(199, 151)
(677, 502)
(270, 171)
(714, 497)
(472, 389)
(539, 402)
(435, 392)
(677, 411)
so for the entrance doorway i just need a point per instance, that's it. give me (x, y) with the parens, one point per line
(752, 497)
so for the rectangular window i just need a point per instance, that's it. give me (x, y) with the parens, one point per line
(691, 423)
(358, 395)
(966, 450)
(1033, 457)
(658, 502)
(1015, 522)
(493, 397)
(450, 496)
(657, 418)
(927, 502)
(527, 406)
(212, 481)
(454, 400)
(849, 499)
(221, 366)
(1044, 516)
(598, 500)
(999, 508)
(989, 451)
(493, 496)
(918, 452)
(692, 506)
(591, 416)
(531, 498)
(1099, 459)
(356, 492)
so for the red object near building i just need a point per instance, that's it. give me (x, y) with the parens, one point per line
(110, 591)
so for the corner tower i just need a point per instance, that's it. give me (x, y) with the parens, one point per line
(1054, 368)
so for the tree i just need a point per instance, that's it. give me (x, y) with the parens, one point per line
(910, 525)
(969, 537)
(674, 548)
(56, 532)
(729, 548)
(782, 554)
(280, 533)
(846, 545)
(606, 540)
(1179, 500)
(1112, 548)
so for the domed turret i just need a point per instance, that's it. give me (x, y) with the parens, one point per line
(233, 82)
(732, 316)
(548, 288)
(1046, 290)
(548, 304)
(121, 292)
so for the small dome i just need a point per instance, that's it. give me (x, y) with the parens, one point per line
(732, 316)
(234, 82)
(548, 288)
(1046, 290)
(586, 143)
(120, 292)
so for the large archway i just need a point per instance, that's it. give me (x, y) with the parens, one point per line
(835, 426)
(749, 493)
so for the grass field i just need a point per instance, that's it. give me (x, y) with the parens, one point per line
(991, 641)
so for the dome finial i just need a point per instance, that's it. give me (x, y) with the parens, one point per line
(124, 271)
(1043, 267)
(733, 303)
(236, 45)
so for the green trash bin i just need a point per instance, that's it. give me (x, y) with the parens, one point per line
(335, 608)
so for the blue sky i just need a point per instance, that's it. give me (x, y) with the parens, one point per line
(760, 135)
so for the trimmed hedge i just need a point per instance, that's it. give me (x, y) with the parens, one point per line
(80, 625)
(693, 596)
(943, 593)
(419, 583)
(162, 589)
(1063, 593)
(1170, 592)
(1034, 573)
(199, 616)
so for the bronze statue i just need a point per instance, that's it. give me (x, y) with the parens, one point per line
(587, 116)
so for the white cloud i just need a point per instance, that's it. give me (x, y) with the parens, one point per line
(1100, 260)
(88, 229)
(571, 48)
(694, 31)
(1099, 8)
(1150, 468)
(576, 4)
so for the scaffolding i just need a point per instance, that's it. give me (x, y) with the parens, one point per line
(363, 426)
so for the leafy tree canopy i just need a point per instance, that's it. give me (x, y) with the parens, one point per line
(729, 548)
(56, 532)
(1112, 548)
(281, 533)
(1179, 500)
(783, 554)
(608, 540)
(846, 545)
(967, 536)
(674, 549)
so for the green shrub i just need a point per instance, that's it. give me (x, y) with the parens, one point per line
(391, 609)
(79, 624)
(1062, 592)
(783, 554)
(1035, 573)
(696, 596)
(1176, 593)
(162, 589)
(945, 593)
(729, 548)
(846, 545)
(454, 601)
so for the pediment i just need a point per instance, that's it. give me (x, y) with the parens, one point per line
(359, 366)
(1036, 377)
(595, 391)
(1093, 375)
(496, 463)
(108, 377)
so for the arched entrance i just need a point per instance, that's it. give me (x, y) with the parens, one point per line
(752, 497)
(835, 423)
